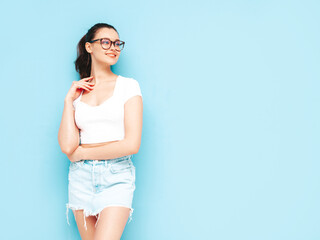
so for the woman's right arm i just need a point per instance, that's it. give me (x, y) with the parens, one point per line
(68, 136)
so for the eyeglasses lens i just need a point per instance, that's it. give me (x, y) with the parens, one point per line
(106, 44)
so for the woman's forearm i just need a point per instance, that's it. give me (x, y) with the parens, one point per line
(108, 151)
(68, 135)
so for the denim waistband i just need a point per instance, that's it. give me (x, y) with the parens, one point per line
(105, 161)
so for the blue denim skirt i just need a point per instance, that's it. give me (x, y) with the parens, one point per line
(96, 184)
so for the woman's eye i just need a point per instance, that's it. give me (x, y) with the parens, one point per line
(106, 42)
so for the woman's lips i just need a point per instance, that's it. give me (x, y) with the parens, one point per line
(111, 55)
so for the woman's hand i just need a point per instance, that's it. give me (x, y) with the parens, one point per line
(76, 155)
(77, 87)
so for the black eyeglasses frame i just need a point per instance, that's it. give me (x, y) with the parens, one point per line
(112, 43)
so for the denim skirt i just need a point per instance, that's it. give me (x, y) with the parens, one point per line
(97, 184)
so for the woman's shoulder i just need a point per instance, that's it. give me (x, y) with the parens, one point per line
(130, 87)
(128, 83)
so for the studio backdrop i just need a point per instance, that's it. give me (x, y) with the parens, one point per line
(231, 123)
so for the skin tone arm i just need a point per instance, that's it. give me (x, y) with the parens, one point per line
(68, 136)
(133, 112)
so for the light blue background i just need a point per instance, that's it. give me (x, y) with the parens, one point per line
(230, 145)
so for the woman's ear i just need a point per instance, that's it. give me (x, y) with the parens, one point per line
(88, 47)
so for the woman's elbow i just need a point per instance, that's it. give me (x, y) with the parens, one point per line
(135, 148)
(67, 150)
(67, 146)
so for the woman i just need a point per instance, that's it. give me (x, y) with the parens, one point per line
(102, 111)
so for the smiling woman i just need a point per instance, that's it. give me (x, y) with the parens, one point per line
(102, 112)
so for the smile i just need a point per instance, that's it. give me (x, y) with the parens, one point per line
(111, 55)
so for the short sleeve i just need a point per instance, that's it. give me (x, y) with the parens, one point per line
(132, 89)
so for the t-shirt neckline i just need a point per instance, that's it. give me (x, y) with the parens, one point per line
(105, 101)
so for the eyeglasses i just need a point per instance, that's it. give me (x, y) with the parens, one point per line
(106, 43)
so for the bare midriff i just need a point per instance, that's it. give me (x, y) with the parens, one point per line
(96, 144)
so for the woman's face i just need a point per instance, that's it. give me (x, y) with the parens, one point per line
(100, 55)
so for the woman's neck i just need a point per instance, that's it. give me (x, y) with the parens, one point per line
(102, 73)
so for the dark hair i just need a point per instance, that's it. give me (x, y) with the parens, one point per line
(83, 61)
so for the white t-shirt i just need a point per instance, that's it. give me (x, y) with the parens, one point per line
(105, 122)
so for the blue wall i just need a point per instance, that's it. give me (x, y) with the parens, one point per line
(230, 145)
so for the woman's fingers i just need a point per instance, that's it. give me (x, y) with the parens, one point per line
(89, 85)
(86, 79)
(86, 85)
(86, 88)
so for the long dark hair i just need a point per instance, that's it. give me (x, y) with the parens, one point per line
(83, 61)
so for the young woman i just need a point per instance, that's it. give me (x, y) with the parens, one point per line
(102, 112)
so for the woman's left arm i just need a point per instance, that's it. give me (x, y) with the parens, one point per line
(133, 112)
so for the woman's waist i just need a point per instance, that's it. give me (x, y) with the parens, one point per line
(105, 161)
